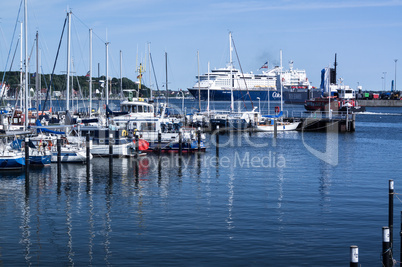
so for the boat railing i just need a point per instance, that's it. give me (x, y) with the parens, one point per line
(321, 115)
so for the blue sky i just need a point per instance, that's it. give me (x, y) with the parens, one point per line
(366, 35)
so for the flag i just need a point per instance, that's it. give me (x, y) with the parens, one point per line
(265, 66)
(139, 76)
(325, 81)
(87, 75)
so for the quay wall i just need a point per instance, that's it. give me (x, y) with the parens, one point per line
(380, 103)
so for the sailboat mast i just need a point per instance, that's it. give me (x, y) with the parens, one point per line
(280, 58)
(37, 77)
(208, 90)
(231, 74)
(167, 90)
(149, 70)
(21, 69)
(68, 62)
(107, 73)
(26, 64)
(199, 89)
(90, 72)
(121, 75)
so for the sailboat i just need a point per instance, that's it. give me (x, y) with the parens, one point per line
(270, 123)
(11, 159)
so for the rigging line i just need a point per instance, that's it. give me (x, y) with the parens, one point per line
(54, 66)
(79, 43)
(245, 83)
(83, 23)
(153, 70)
(11, 45)
(79, 87)
(11, 65)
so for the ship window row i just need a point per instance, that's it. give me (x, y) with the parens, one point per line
(137, 109)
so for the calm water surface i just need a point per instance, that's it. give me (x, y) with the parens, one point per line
(262, 202)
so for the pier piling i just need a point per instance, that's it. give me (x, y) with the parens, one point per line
(354, 256)
(159, 142)
(137, 146)
(275, 128)
(58, 155)
(386, 247)
(110, 150)
(217, 141)
(26, 165)
(58, 165)
(88, 154)
(180, 143)
(391, 211)
(199, 138)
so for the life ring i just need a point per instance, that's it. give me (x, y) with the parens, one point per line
(124, 133)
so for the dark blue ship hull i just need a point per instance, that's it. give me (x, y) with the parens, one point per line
(295, 97)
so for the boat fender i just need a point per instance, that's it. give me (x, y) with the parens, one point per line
(124, 133)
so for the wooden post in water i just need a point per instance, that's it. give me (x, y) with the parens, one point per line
(58, 155)
(391, 212)
(199, 138)
(354, 256)
(159, 142)
(400, 234)
(180, 142)
(88, 155)
(110, 150)
(137, 146)
(275, 128)
(26, 165)
(386, 248)
(217, 140)
(58, 164)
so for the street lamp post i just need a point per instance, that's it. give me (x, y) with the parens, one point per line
(396, 60)
(259, 104)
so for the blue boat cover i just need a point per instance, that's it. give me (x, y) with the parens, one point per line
(280, 114)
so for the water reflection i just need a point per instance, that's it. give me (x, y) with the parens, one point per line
(229, 219)
(25, 227)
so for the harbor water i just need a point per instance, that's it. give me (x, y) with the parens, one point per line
(301, 199)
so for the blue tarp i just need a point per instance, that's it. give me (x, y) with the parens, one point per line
(280, 114)
(44, 130)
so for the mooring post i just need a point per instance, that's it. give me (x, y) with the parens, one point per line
(110, 149)
(391, 212)
(386, 248)
(58, 154)
(137, 146)
(354, 256)
(217, 140)
(400, 234)
(199, 138)
(180, 142)
(88, 155)
(27, 164)
(159, 142)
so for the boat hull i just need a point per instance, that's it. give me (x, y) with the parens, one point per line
(291, 126)
(70, 157)
(291, 97)
(40, 160)
(225, 95)
(12, 162)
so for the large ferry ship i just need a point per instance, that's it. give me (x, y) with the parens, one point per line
(226, 84)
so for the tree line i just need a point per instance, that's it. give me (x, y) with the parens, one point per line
(79, 83)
